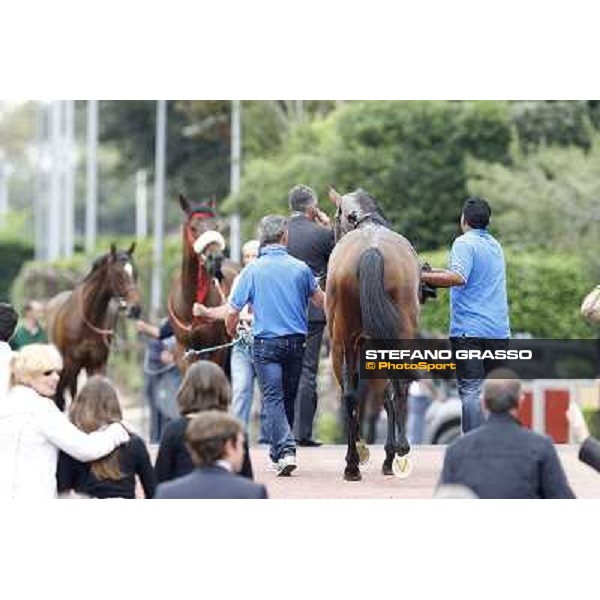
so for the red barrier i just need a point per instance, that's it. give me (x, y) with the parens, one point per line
(554, 420)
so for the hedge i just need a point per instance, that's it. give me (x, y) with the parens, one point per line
(545, 292)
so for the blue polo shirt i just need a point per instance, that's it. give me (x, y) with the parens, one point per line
(279, 287)
(479, 308)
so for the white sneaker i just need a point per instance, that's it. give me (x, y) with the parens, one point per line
(286, 465)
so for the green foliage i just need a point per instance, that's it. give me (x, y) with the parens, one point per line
(547, 199)
(545, 292)
(592, 418)
(562, 123)
(328, 428)
(409, 155)
(14, 254)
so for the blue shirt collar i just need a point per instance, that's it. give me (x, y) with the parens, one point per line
(478, 231)
(273, 249)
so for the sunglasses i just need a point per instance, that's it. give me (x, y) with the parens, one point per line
(51, 371)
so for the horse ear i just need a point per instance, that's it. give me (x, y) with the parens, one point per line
(334, 196)
(131, 248)
(184, 203)
(113, 251)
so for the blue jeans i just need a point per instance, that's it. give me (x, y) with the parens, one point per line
(278, 363)
(242, 382)
(415, 421)
(470, 375)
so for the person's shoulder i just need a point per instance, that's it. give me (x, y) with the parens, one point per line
(136, 443)
(174, 428)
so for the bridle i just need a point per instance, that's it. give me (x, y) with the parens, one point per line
(103, 333)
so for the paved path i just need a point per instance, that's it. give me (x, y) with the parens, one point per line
(319, 474)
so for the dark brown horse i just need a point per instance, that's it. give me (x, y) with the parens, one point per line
(207, 280)
(81, 323)
(373, 284)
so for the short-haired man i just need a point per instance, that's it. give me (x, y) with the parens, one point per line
(310, 239)
(503, 459)
(8, 323)
(478, 303)
(29, 330)
(279, 288)
(216, 443)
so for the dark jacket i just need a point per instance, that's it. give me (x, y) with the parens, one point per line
(173, 459)
(133, 460)
(211, 483)
(502, 459)
(589, 453)
(313, 244)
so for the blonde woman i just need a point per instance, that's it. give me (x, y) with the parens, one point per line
(114, 476)
(33, 430)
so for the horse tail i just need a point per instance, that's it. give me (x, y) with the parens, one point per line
(380, 316)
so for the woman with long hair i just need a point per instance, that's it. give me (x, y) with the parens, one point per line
(114, 476)
(204, 387)
(33, 430)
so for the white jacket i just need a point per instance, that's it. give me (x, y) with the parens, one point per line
(32, 431)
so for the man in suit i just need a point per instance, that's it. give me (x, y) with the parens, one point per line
(216, 442)
(310, 239)
(502, 459)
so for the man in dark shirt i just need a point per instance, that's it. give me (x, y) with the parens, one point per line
(216, 443)
(502, 459)
(310, 239)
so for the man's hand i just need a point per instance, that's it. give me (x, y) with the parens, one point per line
(147, 329)
(334, 196)
(199, 310)
(318, 298)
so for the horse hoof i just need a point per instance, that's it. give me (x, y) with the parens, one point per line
(363, 452)
(387, 469)
(402, 467)
(352, 475)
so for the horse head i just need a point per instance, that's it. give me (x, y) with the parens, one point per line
(199, 219)
(121, 276)
(353, 209)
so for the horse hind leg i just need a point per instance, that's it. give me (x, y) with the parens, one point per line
(401, 408)
(390, 442)
(350, 400)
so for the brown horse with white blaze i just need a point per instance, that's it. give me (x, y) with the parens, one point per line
(206, 279)
(372, 292)
(81, 322)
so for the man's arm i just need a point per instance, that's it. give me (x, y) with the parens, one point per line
(318, 298)
(216, 313)
(442, 278)
(231, 319)
(553, 479)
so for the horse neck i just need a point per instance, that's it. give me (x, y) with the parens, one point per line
(189, 275)
(96, 297)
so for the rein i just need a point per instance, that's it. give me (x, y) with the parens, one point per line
(103, 333)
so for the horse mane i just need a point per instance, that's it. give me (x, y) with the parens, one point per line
(370, 208)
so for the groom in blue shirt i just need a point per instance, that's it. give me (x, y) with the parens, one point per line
(478, 303)
(279, 288)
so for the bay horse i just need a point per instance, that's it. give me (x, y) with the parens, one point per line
(373, 285)
(81, 322)
(206, 280)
